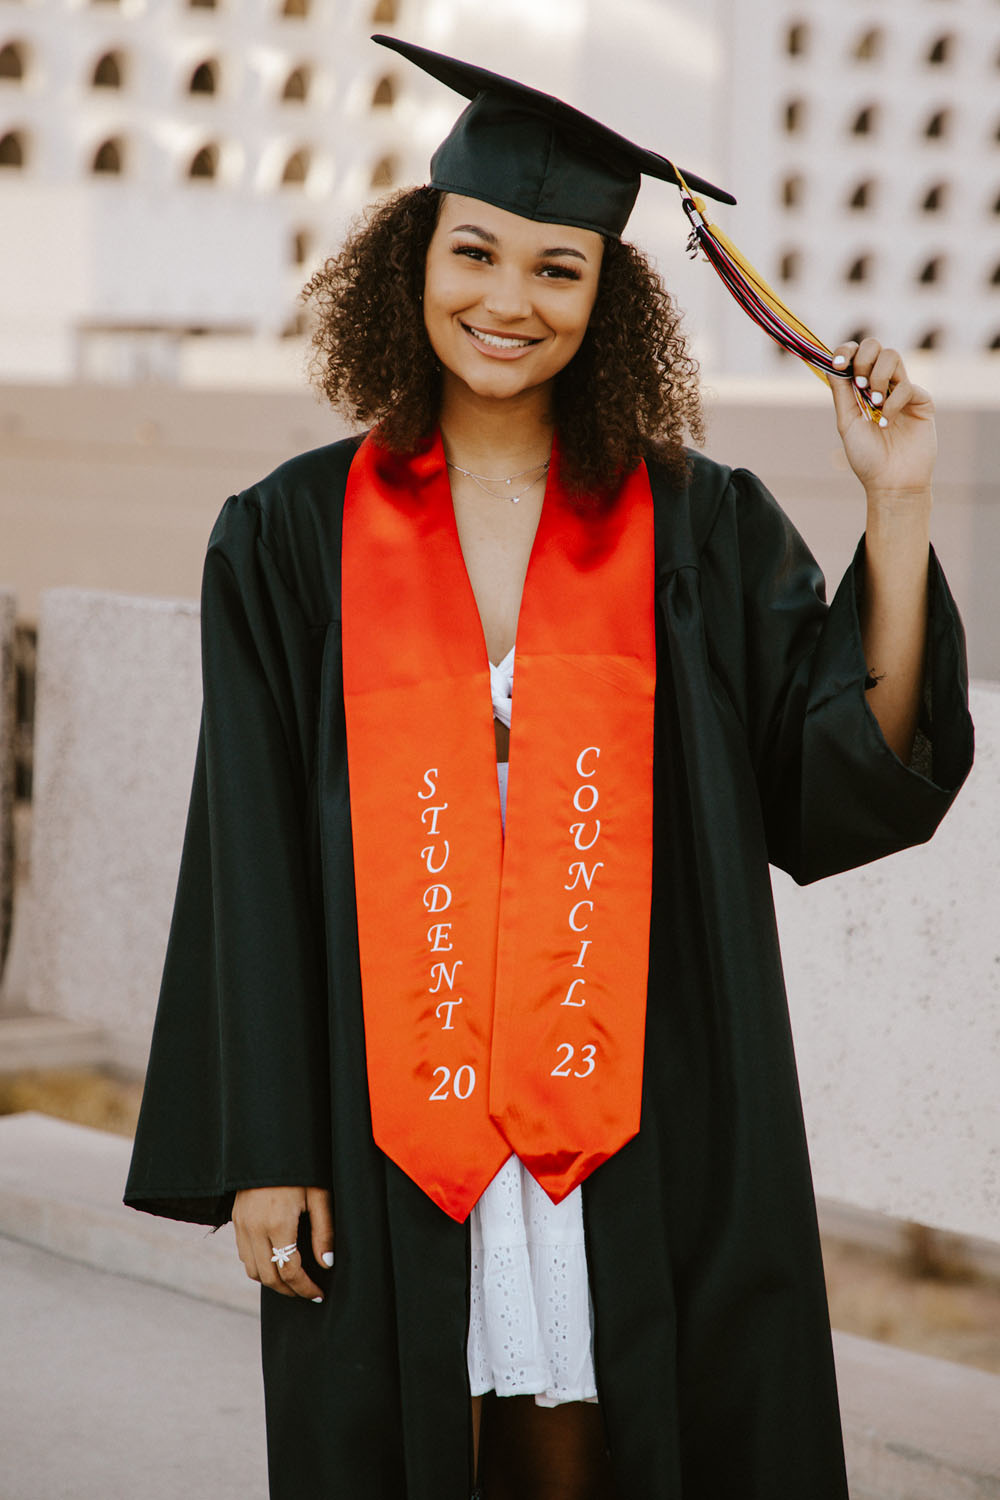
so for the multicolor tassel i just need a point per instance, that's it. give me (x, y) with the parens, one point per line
(763, 305)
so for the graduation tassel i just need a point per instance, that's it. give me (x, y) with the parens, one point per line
(763, 305)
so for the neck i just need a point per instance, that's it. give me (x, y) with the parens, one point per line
(496, 436)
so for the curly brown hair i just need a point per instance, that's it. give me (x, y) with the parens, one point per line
(630, 391)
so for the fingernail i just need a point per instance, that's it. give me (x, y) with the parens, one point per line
(328, 1258)
(861, 381)
(877, 398)
(840, 361)
(317, 1299)
(883, 421)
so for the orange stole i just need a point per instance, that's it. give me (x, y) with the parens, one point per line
(504, 983)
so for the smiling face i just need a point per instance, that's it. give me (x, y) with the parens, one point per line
(506, 300)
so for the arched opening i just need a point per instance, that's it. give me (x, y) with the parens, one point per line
(385, 12)
(797, 39)
(12, 62)
(295, 8)
(790, 266)
(935, 198)
(205, 78)
(297, 85)
(795, 116)
(865, 122)
(205, 162)
(932, 339)
(109, 158)
(296, 168)
(384, 95)
(302, 243)
(384, 172)
(13, 149)
(868, 47)
(941, 51)
(860, 269)
(938, 125)
(931, 271)
(863, 195)
(109, 71)
(793, 190)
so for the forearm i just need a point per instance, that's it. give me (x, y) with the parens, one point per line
(894, 612)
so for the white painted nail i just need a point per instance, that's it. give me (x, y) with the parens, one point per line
(883, 421)
(861, 381)
(317, 1299)
(840, 361)
(877, 398)
(328, 1258)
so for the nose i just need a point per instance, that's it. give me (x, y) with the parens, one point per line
(507, 298)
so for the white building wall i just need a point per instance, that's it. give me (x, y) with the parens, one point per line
(832, 85)
(104, 275)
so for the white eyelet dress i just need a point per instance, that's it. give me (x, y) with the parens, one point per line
(530, 1315)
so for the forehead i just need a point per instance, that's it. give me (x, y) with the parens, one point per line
(512, 230)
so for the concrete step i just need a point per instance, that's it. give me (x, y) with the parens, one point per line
(29, 1041)
(915, 1428)
(60, 1189)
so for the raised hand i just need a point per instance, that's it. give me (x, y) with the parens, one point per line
(894, 461)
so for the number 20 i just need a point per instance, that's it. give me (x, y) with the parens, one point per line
(562, 1067)
(465, 1082)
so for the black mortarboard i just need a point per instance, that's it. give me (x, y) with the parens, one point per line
(526, 152)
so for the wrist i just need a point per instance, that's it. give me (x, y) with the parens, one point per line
(905, 504)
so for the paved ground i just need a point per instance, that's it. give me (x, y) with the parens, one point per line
(112, 1389)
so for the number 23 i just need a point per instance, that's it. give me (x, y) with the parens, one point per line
(562, 1068)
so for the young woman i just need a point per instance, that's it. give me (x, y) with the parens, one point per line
(533, 1089)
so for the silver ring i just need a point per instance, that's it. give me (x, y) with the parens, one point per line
(282, 1255)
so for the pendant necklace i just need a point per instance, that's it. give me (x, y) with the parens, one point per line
(482, 480)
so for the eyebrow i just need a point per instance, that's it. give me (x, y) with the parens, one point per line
(491, 239)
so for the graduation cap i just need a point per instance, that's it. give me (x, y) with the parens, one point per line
(533, 155)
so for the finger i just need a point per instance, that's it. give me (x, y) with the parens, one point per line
(865, 358)
(844, 400)
(266, 1244)
(244, 1250)
(295, 1282)
(886, 373)
(320, 1208)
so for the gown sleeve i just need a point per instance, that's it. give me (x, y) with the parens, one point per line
(832, 792)
(237, 1090)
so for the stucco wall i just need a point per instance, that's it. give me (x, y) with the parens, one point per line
(893, 971)
(8, 609)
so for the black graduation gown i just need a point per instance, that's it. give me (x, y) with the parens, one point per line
(712, 1339)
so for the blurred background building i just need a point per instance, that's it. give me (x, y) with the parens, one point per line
(170, 170)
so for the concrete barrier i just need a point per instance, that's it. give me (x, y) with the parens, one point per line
(893, 975)
(8, 726)
(894, 970)
(116, 730)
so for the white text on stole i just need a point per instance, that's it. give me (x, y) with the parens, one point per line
(586, 838)
(437, 899)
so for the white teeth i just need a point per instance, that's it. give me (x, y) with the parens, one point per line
(496, 342)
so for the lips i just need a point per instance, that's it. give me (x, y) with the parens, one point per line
(498, 343)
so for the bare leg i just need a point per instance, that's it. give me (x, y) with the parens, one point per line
(544, 1453)
(477, 1420)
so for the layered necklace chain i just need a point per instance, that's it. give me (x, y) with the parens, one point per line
(484, 481)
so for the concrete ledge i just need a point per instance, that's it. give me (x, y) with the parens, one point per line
(915, 1428)
(60, 1189)
(51, 1042)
